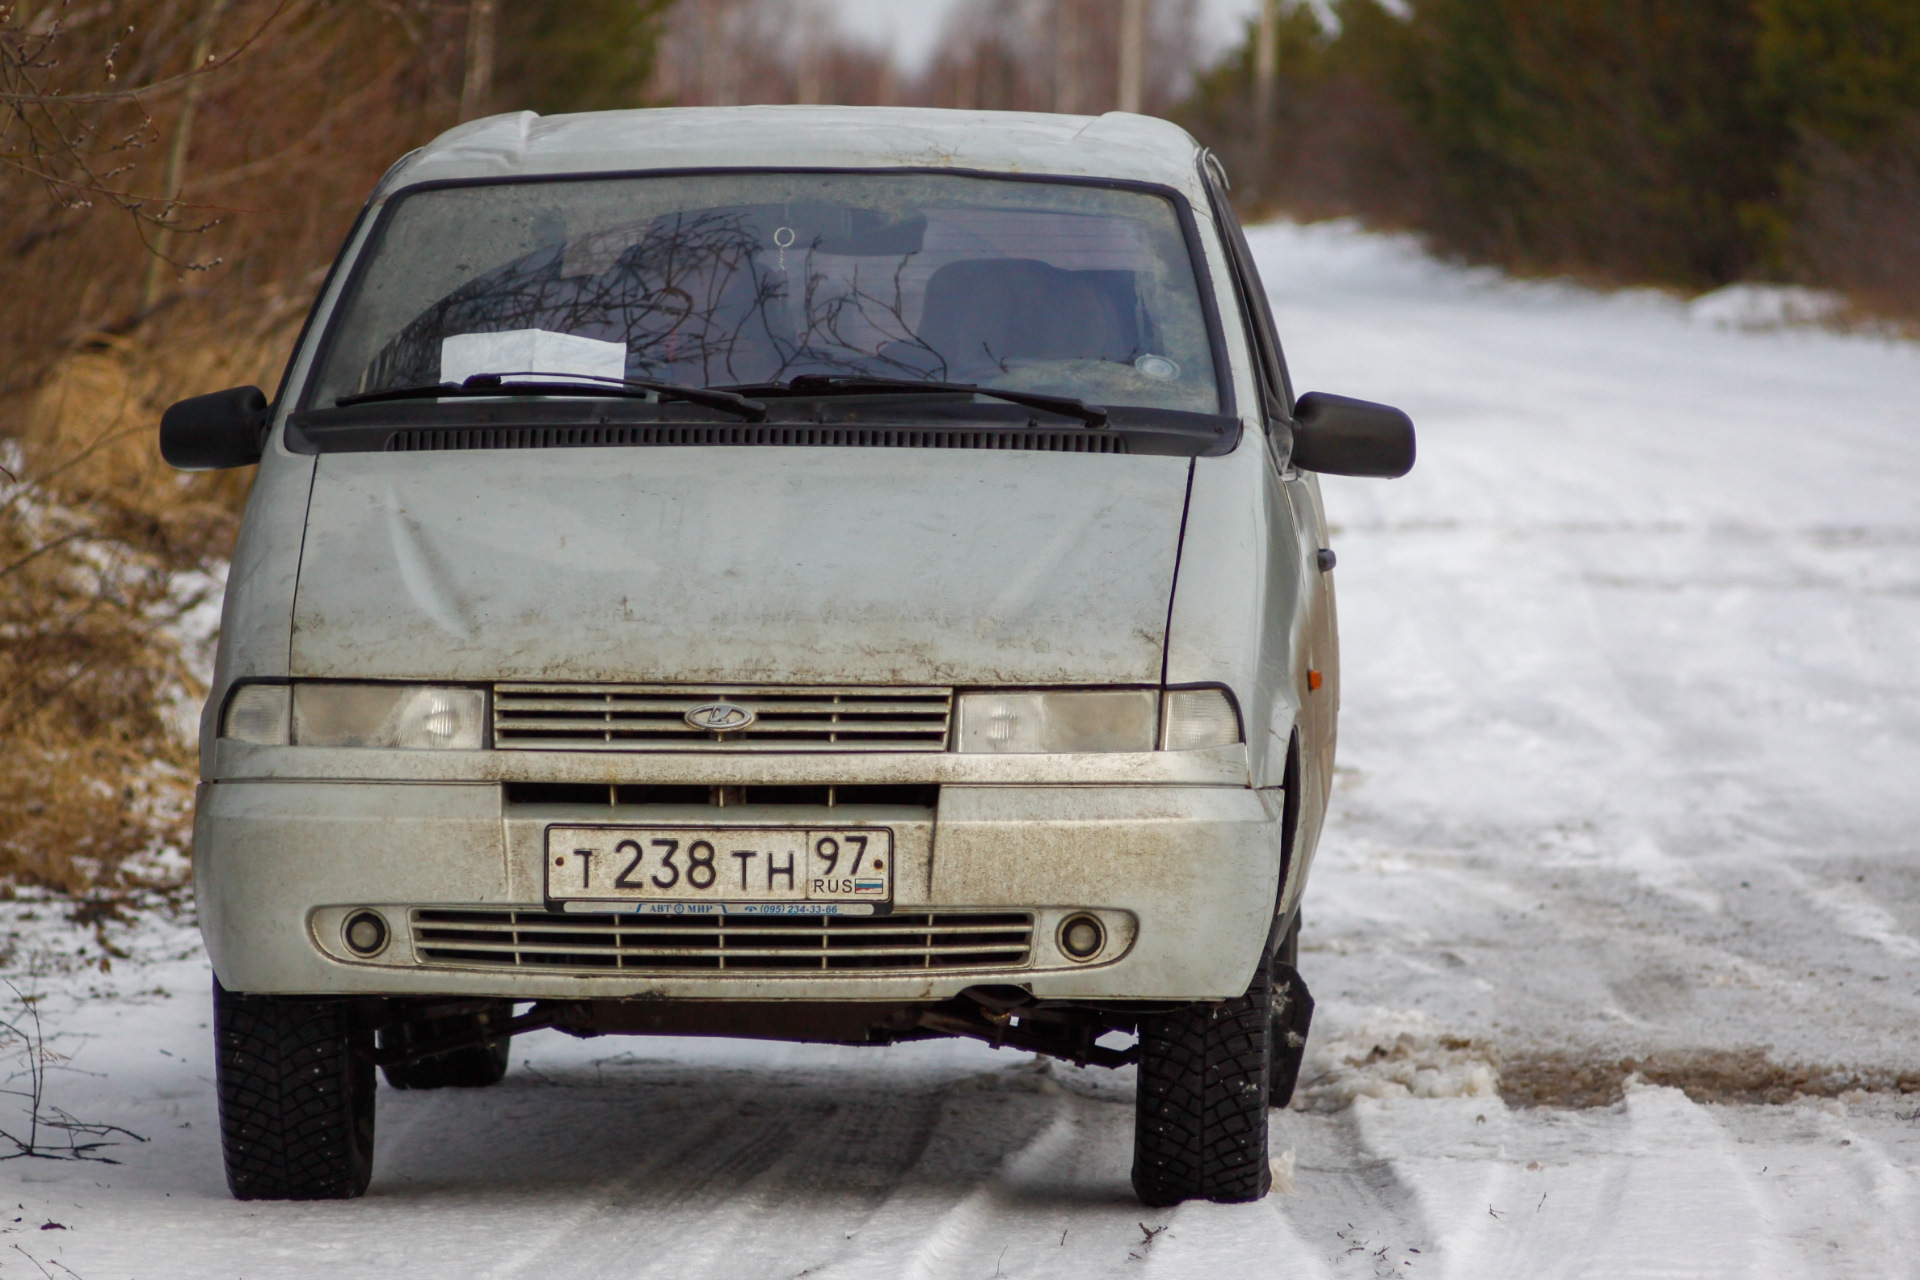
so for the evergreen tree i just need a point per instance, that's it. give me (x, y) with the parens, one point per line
(577, 55)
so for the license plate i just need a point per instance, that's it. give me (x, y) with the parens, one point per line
(743, 870)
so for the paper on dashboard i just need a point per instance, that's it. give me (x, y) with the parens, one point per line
(520, 355)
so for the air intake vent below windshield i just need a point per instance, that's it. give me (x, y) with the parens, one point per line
(416, 439)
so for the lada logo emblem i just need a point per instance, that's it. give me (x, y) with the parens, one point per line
(720, 717)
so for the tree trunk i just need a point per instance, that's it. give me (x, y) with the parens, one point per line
(176, 179)
(1133, 53)
(476, 88)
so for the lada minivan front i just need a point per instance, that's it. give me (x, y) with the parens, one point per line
(821, 574)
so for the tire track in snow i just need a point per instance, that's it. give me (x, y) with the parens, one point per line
(793, 1194)
(960, 1186)
(1030, 1180)
(1657, 1188)
(610, 1195)
(781, 1167)
(1229, 1242)
(1066, 1185)
(948, 1248)
(1854, 911)
(1347, 1201)
(1846, 1203)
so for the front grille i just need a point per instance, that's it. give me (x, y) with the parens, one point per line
(638, 717)
(904, 941)
(919, 795)
(420, 439)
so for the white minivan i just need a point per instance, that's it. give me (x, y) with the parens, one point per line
(812, 573)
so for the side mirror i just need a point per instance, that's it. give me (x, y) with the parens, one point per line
(213, 432)
(1345, 437)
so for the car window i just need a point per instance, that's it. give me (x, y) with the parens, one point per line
(1276, 388)
(745, 278)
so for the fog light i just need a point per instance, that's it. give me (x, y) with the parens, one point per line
(365, 933)
(1082, 937)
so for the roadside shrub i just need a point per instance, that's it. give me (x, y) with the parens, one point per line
(111, 565)
(1848, 74)
(155, 245)
(1628, 141)
(1619, 139)
(1857, 220)
(1622, 138)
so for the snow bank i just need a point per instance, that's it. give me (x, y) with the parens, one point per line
(1758, 308)
(1393, 1053)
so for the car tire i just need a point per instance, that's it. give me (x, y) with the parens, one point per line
(1292, 1019)
(1200, 1121)
(295, 1081)
(471, 1068)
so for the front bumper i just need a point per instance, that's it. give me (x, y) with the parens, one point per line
(1186, 877)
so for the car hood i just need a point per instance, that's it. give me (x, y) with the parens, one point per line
(745, 564)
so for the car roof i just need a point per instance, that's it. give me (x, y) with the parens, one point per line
(1117, 145)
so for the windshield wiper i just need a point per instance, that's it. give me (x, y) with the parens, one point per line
(493, 384)
(818, 384)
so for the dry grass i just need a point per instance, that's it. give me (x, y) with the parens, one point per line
(110, 562)
(105, 552)
(96, 774)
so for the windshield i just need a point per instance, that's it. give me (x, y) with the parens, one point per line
(719, 280)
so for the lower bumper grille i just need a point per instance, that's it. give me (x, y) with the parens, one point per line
(913, 941)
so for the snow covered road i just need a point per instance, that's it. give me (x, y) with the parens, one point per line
(1632, 720)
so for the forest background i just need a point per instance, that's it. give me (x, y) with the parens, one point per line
(175, 176)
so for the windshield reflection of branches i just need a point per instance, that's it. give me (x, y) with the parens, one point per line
(694, 299)
(846, 329)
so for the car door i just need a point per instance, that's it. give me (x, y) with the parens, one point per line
(1302, 538)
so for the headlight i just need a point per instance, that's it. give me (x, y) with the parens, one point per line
(259, 714)
(1196, 718)
(388, 715)
(1065, 721)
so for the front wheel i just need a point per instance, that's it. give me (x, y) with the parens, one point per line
(295, 1079)
(1200, 1130)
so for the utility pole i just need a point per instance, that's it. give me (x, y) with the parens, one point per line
(1266, 72)
(1133, 52)
(966, 80)
(719, 86)
(476, 87)
(807, 85)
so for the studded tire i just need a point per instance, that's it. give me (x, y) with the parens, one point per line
(1200, 1123)
(295, 1078)
(470, 1068)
